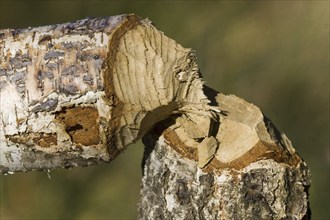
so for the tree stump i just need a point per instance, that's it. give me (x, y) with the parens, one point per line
(79, 93)
(255, 174)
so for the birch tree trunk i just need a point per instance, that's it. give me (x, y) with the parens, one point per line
(254, 174)
(79, 93)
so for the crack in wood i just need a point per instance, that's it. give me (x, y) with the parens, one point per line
(41, 139)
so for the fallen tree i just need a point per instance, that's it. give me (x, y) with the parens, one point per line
(79, 93)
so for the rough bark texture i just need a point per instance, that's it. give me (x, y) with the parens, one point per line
(255, 173)
(78, 93)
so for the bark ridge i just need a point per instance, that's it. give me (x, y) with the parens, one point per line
(79, 93)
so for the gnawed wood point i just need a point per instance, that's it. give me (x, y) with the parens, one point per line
(83, 91)
(79, 93)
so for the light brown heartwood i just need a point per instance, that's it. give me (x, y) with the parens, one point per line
(79, 93)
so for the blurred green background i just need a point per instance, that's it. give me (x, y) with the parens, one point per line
(274, 54)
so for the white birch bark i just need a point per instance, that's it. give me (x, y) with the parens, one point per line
(79, 93)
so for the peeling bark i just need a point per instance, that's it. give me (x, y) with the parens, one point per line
(79, 93)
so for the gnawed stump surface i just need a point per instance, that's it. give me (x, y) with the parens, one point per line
(254, 174)
(79, 93)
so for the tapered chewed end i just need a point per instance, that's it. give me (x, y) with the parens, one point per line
(149, 77)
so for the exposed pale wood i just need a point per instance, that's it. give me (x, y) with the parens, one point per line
(255, 173)
(79, 93)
